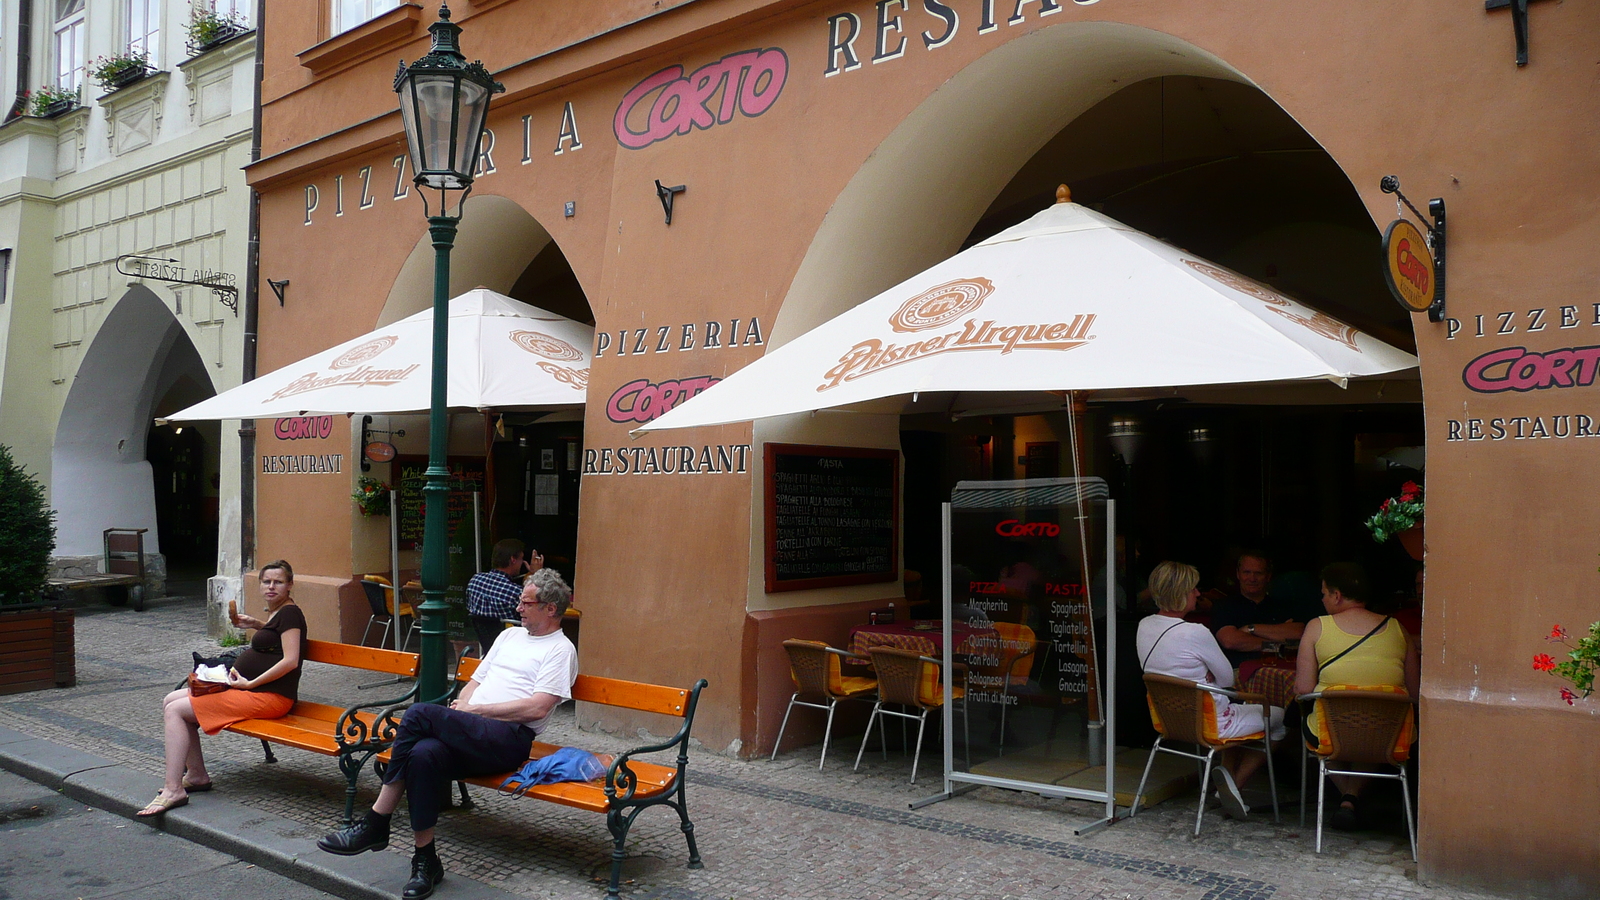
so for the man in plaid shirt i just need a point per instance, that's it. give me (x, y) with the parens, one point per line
(492, 596)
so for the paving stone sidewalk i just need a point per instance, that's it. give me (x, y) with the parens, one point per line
(765, 828)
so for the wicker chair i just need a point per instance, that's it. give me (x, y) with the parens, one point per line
(1364, 728)
(815, 669)
(1181, 712)
(915, 682)
(380, 596)
(1017, 648)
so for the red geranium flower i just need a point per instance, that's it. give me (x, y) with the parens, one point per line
(1385, 506)
(1568, 696)
(1410, 487)
(1543, 662)
(1557, 633)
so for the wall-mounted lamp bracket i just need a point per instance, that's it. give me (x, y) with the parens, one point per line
(666, 195)
(278, 288)
(1435, 223)
(1519, 24)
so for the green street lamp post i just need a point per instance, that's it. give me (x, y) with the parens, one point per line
(444, 101)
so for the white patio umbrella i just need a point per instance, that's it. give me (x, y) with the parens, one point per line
(504, 354)
(1069, 300)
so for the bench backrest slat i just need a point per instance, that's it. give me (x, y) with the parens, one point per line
(372, 659)
(654, 698)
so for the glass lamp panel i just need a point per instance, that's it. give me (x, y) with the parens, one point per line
(469, 130)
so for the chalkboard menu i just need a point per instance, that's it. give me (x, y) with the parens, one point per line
(833, 516)
(410, 474)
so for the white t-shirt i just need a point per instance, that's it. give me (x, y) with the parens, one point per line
(1184, 650)
(520, 665)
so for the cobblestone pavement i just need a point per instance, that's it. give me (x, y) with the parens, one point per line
(764, 828)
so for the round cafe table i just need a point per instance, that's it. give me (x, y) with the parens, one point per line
(1272, 678)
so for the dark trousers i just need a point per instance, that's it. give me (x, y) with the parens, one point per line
(488, 628)
(436, 744)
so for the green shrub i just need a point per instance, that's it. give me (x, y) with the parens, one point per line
(27, 533)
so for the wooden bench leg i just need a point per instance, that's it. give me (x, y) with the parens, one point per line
(267, 749)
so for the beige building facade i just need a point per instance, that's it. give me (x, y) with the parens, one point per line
(111, 199)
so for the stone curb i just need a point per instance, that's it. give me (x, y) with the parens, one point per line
(272, 842)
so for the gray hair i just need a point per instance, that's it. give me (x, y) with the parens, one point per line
(552, 588)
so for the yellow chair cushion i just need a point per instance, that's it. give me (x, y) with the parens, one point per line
(930, 687)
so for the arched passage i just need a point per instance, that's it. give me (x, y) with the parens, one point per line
(139, 364)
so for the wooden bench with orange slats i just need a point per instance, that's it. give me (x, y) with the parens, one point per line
(354, 735)
(629, 785)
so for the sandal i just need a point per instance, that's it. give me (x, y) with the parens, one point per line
(161, 804)
(196, 787)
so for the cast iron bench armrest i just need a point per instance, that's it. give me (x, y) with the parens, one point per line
(354, 734)
(619, 773)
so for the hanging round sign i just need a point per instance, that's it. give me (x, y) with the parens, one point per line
(1408, 266)
(380, 451)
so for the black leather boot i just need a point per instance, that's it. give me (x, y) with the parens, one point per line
(426, 873)
(371, 833)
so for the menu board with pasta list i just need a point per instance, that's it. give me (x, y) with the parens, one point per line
(832, 516)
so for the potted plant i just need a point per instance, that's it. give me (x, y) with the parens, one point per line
(371, 496)
(119, 70)
(48, 102)
(27, 538)
(207, 28)
(1400, 517)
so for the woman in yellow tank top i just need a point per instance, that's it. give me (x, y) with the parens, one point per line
(1354, 647)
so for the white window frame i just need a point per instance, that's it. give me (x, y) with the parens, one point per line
(241, 11)
(68, 36)
(347, 14)
(142, 20)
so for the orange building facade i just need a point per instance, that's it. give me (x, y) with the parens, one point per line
(828, 150)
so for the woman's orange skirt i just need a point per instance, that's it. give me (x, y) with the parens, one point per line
(217, 711)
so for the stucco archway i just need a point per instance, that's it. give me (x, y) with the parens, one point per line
(500, 246)
(100, 476)
(919, 195)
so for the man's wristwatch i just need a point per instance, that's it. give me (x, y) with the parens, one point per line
(1250, 630)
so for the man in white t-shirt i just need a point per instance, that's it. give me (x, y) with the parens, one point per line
(489, 729)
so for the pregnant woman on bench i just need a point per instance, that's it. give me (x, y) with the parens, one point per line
(262, 684)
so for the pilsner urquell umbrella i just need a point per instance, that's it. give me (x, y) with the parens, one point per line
(1069, 300)
(504, 354)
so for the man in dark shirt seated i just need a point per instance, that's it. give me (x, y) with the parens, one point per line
(1246, 621)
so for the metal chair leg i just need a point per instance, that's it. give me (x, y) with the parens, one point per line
(868, 736)
(1205, 791)
(1139, 795)
(915, 757)
(786, 712)
(827, 733)
(1272, 779)
(1411, 823)
(1322, 790)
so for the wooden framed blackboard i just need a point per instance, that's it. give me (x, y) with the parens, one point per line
(833, 516)
(410, 474)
